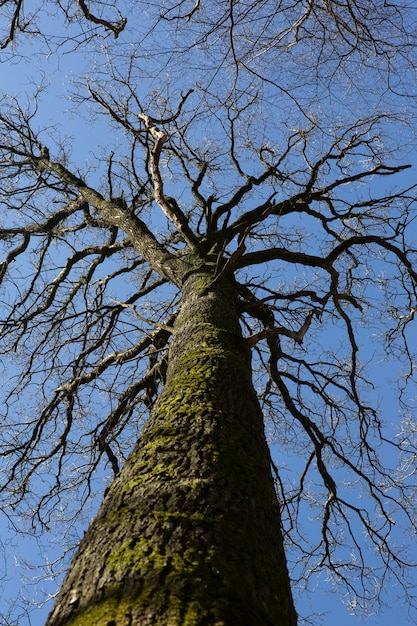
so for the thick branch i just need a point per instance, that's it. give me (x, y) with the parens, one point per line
(265, 333)
(283, 254)
(14, 24)
(363, 240)
(144, 242)
(251, 182)
(168, 205)
(115, 27)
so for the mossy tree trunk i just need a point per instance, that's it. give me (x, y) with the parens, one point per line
(189, 532)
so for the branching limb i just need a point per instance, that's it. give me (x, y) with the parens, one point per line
(130, 306)
(115, 27)
(314, 433)
(14, 24)
(141, 237)
(168, 205)
(21, 23)
(185, 16)
(297, 335)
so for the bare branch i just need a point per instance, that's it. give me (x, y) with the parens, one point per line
(141, 237)
(115, 27)
(297, 335)
(168, 205)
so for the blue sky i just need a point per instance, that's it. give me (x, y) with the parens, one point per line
(14, 79)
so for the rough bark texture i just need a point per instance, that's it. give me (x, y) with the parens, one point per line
(189, 532)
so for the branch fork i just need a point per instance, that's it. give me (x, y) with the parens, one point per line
(168, 205)
(297, 335)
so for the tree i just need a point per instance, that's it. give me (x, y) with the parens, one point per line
(187, 284)
(92, 18)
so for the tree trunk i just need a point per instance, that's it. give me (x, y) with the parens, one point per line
(189, 532)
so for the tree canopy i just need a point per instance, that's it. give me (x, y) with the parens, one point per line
(274, 138)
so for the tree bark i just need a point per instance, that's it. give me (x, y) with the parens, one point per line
(189, 532)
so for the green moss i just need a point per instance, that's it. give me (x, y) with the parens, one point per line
(180, 584)
(160, 470)
(197, 481)
(106, 614)
(139, 556)
(114, 516)
(165, 516)
(133, 555)
(135, 559)
(203, 283)
(113, 612)
(215, 456)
